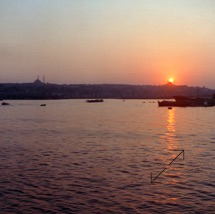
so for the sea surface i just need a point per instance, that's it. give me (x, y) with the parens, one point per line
(119, 156)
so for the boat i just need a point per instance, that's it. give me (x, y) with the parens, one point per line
(95, 101)
(5, 104)
(43, 104)
(183, 101)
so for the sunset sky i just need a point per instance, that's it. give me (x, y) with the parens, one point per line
(108, 41)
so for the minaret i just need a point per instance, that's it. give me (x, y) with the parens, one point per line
(44, 79)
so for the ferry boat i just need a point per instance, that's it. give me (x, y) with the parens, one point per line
(182, 101)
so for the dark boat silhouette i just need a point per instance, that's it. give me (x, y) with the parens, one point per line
(5, 104)
(182, 101)
(95, 101)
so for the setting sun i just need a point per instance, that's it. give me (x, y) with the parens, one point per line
(171, 80)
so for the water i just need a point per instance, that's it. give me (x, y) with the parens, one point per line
(77, 157)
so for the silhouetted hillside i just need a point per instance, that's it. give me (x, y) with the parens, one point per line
(39, 90)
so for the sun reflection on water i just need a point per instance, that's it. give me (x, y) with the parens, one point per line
(169, 137)
(171, 121)
(170, 143)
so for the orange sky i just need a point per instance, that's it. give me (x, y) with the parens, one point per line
(99, 41)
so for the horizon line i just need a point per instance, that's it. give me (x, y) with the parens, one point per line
(166, 84)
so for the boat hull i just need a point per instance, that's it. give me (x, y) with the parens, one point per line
(181, 101)
(95, 101)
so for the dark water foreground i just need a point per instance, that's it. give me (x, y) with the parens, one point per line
(74, 157)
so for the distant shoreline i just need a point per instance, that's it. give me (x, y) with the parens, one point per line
(47, 91)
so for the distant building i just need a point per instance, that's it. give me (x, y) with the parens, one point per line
(170, 83)
(38, 82)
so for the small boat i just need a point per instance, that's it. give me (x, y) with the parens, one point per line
(43, 105)
(95, 101)
(5, 104)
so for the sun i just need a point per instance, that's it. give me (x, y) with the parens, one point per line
(171, 80)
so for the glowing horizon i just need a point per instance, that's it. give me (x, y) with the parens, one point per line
(99, 41)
